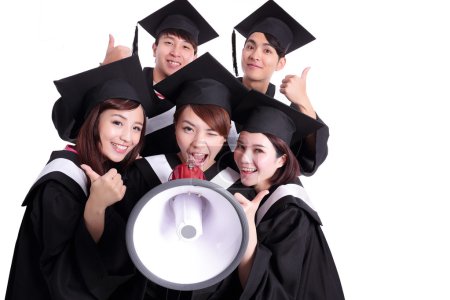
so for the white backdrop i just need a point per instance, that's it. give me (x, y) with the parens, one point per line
(379, 79)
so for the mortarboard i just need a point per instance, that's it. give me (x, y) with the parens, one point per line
(203, 81)
(259, 113)
(179, 14)
(273, 19)
(122, 79)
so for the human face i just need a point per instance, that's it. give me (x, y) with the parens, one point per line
(197, 141)
(120, 132)
(171, 54)
(259, 59)
(257, 160)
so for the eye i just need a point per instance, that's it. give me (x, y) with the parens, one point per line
(239, 146)
(137, 128)
(117, 123)
(186, 47)
(188, 129)
(213, 133)
(169, 43)
(249, 46)
(257, 150)
(268, 51)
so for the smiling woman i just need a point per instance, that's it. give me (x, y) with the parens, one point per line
(201, 131)
(54, 253)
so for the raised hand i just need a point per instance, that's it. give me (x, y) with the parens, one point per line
(294, 88)
(115, 53)
(105, 191)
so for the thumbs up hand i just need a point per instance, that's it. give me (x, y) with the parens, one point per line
(115, 53)
(105, 190)
(294, 88)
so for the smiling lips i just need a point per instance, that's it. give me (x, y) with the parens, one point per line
(173, 63)
(247, 170)
(120, 148)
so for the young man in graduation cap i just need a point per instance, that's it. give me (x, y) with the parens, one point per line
(270, 34)
(178, 29)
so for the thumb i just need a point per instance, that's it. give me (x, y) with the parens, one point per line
(93, 176)
(305, 72)
(257, 200)
(240, 198)
(110, 43)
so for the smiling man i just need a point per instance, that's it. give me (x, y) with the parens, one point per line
(178, 29)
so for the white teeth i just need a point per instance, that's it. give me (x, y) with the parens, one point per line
(248, 169)
(121, 147)
(174, 63)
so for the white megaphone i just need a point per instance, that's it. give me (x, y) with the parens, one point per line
(187, 234)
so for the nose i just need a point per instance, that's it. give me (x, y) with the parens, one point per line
(126, 135)
(176, 49)
(245, 157)
(255, 54)
(199, 139)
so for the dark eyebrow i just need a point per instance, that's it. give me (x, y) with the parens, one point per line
(122, 117)
(254, 43)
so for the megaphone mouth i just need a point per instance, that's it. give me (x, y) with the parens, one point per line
(188, 211)
(188, 232)
(184, 254)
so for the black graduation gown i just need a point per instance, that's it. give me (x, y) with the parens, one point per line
(292, 258)
(310, 156)
(160, 131)
(54, 256)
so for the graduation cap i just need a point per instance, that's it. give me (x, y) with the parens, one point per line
(179, 14)
(259, 113)
(271, 18)
(122, 79)
(203, 81)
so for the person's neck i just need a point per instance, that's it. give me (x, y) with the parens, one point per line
(257, 85)
(158, 75)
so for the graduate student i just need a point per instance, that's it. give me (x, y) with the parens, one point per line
(178, 29)
(271, 33)
(287, 256)
(102, 111)
(204, 94)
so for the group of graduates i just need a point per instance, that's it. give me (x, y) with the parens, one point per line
(129, 127)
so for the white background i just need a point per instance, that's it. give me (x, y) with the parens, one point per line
(379, 79)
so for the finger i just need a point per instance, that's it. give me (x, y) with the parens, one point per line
(93, 176)
(305, 72)
(240, 198)
(111, 173)
(257, 200)
(287, 77)
(110, 43)
(124, 189)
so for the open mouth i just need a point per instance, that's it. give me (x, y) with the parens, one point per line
(120, 148)
(197, 158)
(174, 63)
(248, 170)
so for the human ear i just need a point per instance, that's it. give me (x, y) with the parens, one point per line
(281, 161)
(154, 46)
(281, 63)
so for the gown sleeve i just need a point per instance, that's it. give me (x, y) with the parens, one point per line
(292, 259)
(312, 151)
(107, 264)
(55, 216)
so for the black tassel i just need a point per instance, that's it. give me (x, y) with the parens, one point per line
(135, 41)
(233, 53)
